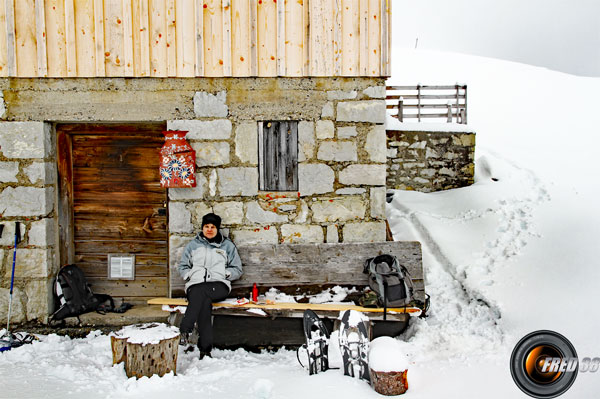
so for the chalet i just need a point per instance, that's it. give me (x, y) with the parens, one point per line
(283, 103)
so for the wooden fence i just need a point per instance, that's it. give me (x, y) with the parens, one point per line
(188, 38)
(428, 102)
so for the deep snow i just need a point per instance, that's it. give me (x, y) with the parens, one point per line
(502, 258)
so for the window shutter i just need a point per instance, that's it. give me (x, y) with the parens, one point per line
(279, 156)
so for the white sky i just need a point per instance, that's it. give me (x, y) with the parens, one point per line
(563, 35)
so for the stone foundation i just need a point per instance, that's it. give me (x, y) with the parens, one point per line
(429, 161)
(341, 155)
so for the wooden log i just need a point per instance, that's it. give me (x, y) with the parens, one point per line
(147, 360)
(118, 345)
(389, 382)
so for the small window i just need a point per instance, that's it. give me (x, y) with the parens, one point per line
(278, 155)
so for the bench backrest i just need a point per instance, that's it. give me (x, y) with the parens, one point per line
(285, 265)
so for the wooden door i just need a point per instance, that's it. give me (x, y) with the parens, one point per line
(111, 202)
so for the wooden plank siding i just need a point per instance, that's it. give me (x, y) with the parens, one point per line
(111, 202)
(194, 38)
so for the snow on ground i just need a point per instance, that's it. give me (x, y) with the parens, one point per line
(513, 253)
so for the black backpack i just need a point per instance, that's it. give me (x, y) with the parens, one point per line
(390, 280)
(74, 294)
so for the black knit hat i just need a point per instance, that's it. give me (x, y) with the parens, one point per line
(213, 219)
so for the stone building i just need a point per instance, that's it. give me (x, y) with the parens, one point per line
(88, 89)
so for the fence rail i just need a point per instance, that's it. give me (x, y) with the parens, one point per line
(425, 102)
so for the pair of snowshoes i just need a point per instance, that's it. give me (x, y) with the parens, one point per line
(353, 341)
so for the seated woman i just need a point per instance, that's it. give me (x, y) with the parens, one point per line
(208, 265)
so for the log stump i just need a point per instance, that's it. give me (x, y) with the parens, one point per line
(146, 349)
(389, 382)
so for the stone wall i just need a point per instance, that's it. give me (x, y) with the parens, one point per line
(429, 161)
(27, 195)
(341, 174)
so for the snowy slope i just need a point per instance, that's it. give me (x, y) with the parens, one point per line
(502, 258)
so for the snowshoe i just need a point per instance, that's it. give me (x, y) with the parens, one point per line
(354, 344)
(316, 346)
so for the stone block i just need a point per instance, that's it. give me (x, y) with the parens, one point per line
(378, 202)
(26, 201)
(306, 141)
(338, 209)
(392, 152)
(373, 175)
(246, 142)
(447, 172)
(315, 178)
(219, 129)
(2, 105)
(303, 213)
(8, 234)
(375, 91)
(38, 299)
(179, 218)
(327, 110)
(420, 145)
(298, 233)
(209, 105)
(376, 144)
(259, 235)
(212, 183)
(361, 111)
(190, 193)
(332, 233)
(42, 233)
(197, 211)
(176, 246)
(237, 181)
(41, 172)
(25, 140)
(464, 140)
(31, 263)
(346, 132)
(8, 172)
(427, 172)
(17, 312)
(341, 95)
(257, 215)
(340, 151)
(325, 130)
(231, 212)
(351, 191)
(364, 232)
(430, 153)
(211, 153)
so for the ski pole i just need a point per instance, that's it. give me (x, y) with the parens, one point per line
(12, 277)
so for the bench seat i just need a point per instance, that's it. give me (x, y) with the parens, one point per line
(288, 309)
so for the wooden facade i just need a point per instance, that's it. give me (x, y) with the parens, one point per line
(194, 38)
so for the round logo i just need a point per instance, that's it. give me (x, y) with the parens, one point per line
(544, 364)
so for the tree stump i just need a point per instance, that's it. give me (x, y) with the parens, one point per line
(389, 382)
(146, 349)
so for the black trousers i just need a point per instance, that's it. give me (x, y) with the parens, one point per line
(200, 298)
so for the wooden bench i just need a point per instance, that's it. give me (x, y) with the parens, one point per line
(304, 269)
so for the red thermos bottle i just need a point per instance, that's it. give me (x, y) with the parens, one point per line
(254, 293)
